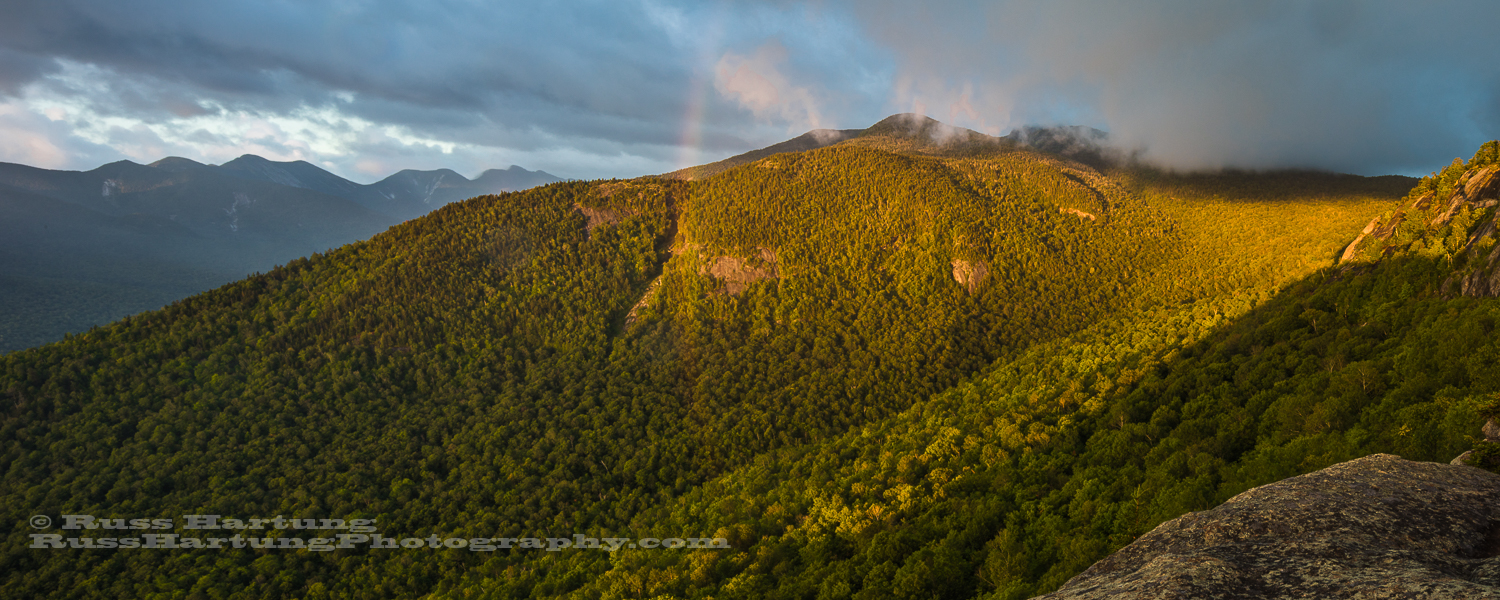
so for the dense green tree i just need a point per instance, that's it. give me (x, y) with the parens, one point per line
(797, 354)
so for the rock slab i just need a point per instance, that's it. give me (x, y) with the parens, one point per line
(1376, 527)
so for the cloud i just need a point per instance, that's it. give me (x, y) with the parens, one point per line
(616, 89)
(72, 129)
(1370, 87)
(607, 85)
(18, 69)
(522, 78)
(36, 140)
(756, 82)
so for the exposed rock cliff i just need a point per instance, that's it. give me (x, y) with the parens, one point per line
(970, 273)
(739, 273)
(1080, 214)
(1451, 215)
(598, 217)
(1353, 247)
(1376, 527)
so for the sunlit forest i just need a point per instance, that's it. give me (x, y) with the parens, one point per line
(892, 367)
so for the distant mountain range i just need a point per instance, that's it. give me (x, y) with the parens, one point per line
(404, 195)
(83, 248)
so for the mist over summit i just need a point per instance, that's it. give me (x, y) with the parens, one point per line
(913, 132)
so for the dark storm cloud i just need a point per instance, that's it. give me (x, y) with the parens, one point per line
(443, 55)
(1368, 86)
(20, 68)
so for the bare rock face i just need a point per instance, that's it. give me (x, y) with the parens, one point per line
(738, 273)
(1353, 247)
(598, 217)
(1482, 281)
(1476, 184)
(1477, 192)
(970, 273)
(1376, 527)
(646, 299)
(1080, 214)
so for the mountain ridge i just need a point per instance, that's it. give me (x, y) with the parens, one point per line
(912, 132)
(297, 174)
(182, 227)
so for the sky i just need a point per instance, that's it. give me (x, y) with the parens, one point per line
(623, 88)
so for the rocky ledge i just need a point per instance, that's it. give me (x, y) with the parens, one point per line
(1376, 527)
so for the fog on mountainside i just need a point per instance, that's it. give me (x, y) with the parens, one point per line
(919, 133)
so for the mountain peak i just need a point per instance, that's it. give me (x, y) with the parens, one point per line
(431, 173)
(1450, 211)
(177, 164)
(912, 132)
(254, 161)
(298, 173)
(121, 164)
(905, 121)
(247, 159)
(511, 171)
(512, 178)
(123, 168)
(915, 126)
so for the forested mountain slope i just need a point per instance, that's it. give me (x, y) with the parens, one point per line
(835, 359)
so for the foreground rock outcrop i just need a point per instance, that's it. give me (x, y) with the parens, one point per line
(1376, 527)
